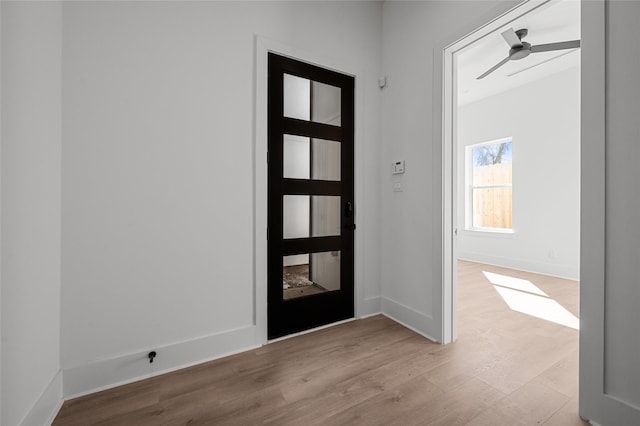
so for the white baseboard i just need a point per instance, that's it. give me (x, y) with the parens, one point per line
(46, 408)
(410, 318)
(369, 307)
(109, 373)
(555, 270)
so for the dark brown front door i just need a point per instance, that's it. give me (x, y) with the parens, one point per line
(310, 196)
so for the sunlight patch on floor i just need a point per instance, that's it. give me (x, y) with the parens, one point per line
(525, 297)
(514, 283)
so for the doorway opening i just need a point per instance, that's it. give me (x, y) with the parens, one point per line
(512, 147)
(512, 196)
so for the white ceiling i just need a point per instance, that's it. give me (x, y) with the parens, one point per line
(553, 22)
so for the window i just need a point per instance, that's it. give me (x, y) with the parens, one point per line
(489, 186)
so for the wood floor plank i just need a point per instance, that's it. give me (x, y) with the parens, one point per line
(506, 368)
(347, 385)
(389, 405)
(566, 416)
(562, 375)
(494, 416)
(123, 399)
(534, 403)
(454, 407)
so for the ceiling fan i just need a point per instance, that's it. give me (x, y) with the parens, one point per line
(521, 49)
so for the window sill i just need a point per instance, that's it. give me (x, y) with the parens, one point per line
(489, 232)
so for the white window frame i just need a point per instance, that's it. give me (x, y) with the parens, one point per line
(468, 178)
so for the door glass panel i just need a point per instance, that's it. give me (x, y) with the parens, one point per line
(296, 220)
(309, 274)
(325, 215)
(297, 97)
(307, 216)
(297, 157)
(302, 153)
(311, 100)
(325, 160)
(326, 104)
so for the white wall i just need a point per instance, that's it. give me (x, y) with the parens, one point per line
(543, 118)
(157, 204)
(31, 140)
(411, 220)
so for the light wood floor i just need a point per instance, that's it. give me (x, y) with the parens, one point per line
(506, 368)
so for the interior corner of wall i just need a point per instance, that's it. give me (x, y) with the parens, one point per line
(48, 404)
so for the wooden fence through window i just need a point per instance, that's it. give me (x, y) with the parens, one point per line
(492, 204)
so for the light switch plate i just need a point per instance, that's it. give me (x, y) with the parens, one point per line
(397, 167)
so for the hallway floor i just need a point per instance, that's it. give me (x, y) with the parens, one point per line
(506, 368)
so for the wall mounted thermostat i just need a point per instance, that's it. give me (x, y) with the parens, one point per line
(398, 167)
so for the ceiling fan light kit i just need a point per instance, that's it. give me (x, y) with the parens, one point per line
(519, 49)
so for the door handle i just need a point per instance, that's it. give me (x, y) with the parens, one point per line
(348, 209)
(348, 212)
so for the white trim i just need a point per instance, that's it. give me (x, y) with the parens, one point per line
(46, 408)
(410, 318)
(491, 232)
(119, 370)
(448, 79)
(369, 307)
(263, 46)
(568, 272)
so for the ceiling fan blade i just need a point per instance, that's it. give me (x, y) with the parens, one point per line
(512, 38)
(493, 68)
(541, 63)
(573, 44)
